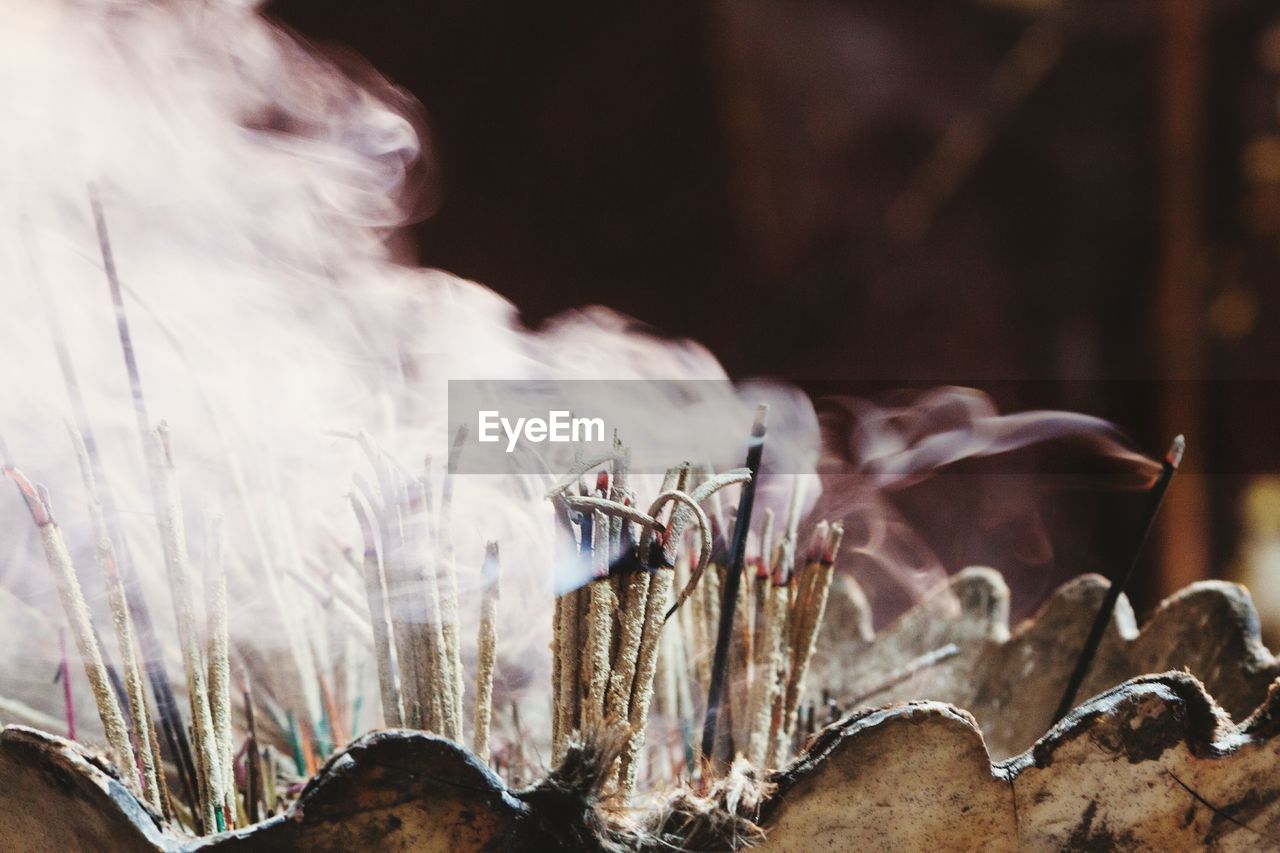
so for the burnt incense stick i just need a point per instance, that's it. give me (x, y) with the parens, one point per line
(729, 597)
(1155, 497)
(486, 650)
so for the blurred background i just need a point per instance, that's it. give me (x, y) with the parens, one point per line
(1068, 204)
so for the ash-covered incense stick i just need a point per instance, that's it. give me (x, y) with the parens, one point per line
(166, 703)
(142, 725)
(770, 657)
(809, 615)
(1155, 497)
(174, 540)
(449, 586)
(596, 659)
(566, 642)
(215, 579)
(81, 624)
(737, 555)
(64, 675)
(379, 620)
(486, 650)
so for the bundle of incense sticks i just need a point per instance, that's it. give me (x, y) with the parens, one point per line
(778, 617)
(133, 745)
(606, 632)
(411, 597)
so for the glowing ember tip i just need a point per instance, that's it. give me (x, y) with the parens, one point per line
(1174, 456)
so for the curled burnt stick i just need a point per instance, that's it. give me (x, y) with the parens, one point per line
(78, 618)
(379, 621)
(693, 512)
(177, 563)
(486, 651)
(142, 724)
(810, 620)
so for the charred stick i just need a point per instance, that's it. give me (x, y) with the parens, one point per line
(1106, 612)
(737, 554)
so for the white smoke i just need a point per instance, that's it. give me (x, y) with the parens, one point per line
(252, 191)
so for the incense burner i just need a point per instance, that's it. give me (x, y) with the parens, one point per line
(1177, 749)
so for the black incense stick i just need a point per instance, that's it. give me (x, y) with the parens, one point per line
(1154, 498)
(733, 579)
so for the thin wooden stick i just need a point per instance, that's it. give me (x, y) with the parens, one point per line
(487, 645)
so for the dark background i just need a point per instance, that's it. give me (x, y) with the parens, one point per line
(1081, 198)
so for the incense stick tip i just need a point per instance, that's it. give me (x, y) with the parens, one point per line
(1179, 447)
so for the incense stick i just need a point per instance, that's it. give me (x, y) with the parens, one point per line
(1155, 497)
(142, 725)
(77, 613)
(811, 610)
(486, 650)
(174, 540)
(733, 579)
(379, 619)
(218, 662)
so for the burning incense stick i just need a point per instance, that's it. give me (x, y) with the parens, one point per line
(1155, 497)
(737, 554)
(142, 725)
(487, 644)
(77, 612)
